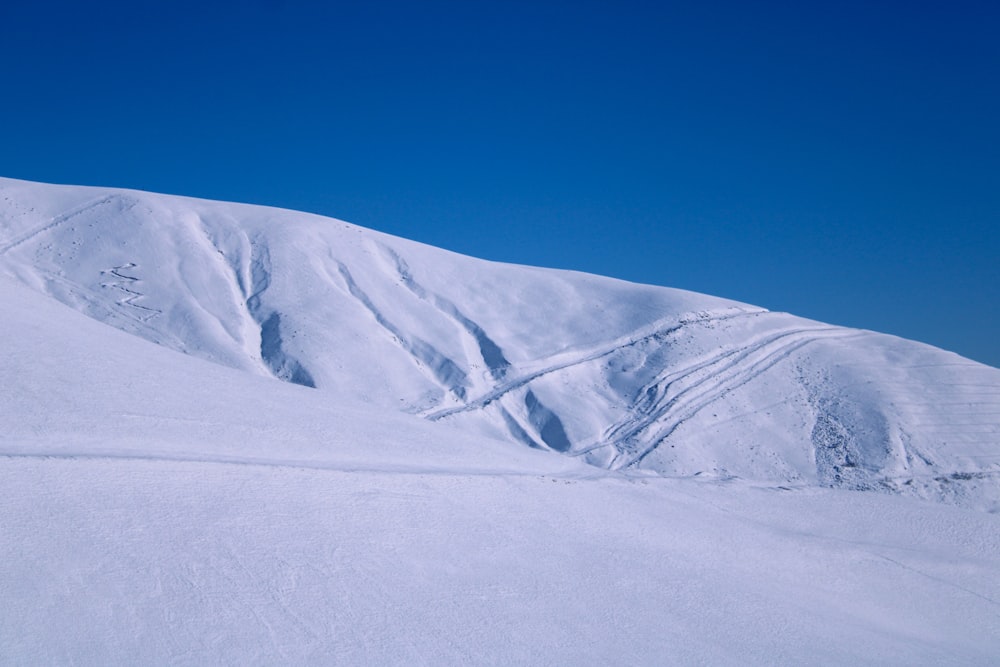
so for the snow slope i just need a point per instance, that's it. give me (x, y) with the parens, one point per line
(303, 442)
(157, 508)
(622, 376)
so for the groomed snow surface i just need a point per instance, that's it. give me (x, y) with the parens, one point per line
(303, 442)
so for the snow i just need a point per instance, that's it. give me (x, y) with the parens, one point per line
(81, 389)
(155, 562)
(498, 464)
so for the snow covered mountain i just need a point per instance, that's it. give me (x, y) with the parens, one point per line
(372, 451)
(618, 374)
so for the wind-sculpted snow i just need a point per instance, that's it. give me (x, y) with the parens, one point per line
(619, 375)
(212, 508)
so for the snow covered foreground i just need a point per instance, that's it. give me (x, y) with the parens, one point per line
(157, 507)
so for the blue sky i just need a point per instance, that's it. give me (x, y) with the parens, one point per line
(840, 161)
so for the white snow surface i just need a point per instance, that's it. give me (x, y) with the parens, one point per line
(325, 445)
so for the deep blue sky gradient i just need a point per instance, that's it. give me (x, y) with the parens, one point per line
(840, 161)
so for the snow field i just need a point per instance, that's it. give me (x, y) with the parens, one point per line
(154, 562)
(497, 464)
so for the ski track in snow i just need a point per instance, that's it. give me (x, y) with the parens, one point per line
(710, 381)
(295, 464)
(480, 347)
(160, 509)
(125, 284)
(61, 219)
(939, 580)
(659, 377)
(568, 359)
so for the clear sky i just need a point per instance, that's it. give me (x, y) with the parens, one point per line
(838, 160)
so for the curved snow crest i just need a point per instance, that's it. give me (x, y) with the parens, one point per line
(619, 375)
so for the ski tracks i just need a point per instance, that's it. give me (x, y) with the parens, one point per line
(679, 395)
(63, 218)
(659, 330)
(125, 284)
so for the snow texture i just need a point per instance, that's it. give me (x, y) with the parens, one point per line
(322, 444)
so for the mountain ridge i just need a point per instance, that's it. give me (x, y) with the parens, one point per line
(620, 375)
(166, 497)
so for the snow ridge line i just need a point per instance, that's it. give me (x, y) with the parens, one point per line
(546, 430)
(445, 372)
(235, 267)
(492, 355)
(544, 422)
(272, 351)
